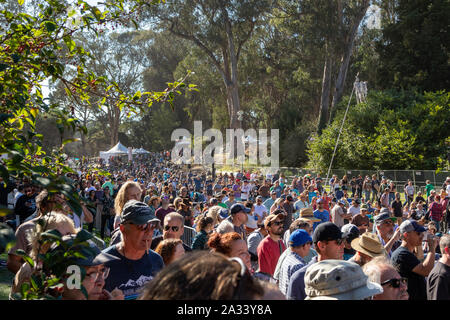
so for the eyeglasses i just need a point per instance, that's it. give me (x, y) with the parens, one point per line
(395, 283)
(93, 276)
(174, 228)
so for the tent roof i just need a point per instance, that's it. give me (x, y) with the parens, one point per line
(117, 149)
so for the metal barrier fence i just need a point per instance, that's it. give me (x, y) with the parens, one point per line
(399, 177)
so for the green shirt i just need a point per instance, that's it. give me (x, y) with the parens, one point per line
(429, 187)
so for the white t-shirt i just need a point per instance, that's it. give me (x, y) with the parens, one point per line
(245, 191)
(353, 210)
(448, 189)
(78, 223)
(260, 209)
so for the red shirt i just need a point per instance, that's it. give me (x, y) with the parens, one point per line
(268, 253)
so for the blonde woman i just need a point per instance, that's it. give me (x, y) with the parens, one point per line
(276, 205)
(130, 190)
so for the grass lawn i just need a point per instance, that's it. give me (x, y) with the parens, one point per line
(6, 278)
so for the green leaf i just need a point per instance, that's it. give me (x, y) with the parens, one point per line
(83, 235)
(50, 25)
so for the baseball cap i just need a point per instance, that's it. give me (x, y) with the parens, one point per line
(364, 207)
(327, 231)
(351, 231)
(223, 213)
(411, 225)
(237, 207)
(341, 201)
(137, 212)
(299, 237)
(338, 280)
(384, 210)
(378, 219)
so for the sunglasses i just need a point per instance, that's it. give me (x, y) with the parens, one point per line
(338, 241)
(174, 228)
(395, 283)
(146, 227)
(277, 223)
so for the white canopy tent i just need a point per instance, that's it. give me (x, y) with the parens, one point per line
(117, 150)
(140, 151)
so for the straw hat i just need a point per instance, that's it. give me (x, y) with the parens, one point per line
(307, 213)
(368, 244)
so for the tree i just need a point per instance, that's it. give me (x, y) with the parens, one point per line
(220, 28)
(415, 47)
(37, 46)
(392, 130)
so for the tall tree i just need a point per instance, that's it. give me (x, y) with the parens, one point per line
(220, 28)
(415, 47)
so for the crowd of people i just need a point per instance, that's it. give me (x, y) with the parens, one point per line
(165, 231)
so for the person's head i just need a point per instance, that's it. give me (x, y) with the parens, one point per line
(137, 224)
(364, 209)
(328, 241)
(274, 223)
(412, 232)
(239, 214)
(130, 190)
(384, 224)
(53, 220)
(154, 201)
(444, 245)
(46, 203)
(381, 271)
(300, 242)
(206, 224)
(352, 233)
(93, 263)
(173, 226)
(231, 245)
(259, 200)
(273, 195)
(338, 280)
(301, 223)
(367, 247)
(170, 250)
(203, 276)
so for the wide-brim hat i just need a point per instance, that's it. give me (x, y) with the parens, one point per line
(308, 214)
(369, 244)
(338, 280)
(272, 217)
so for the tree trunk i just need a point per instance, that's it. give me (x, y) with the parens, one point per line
(325, 97)
(232, 86)
(345, 60)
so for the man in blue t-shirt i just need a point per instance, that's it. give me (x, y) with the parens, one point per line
(137, 264)
(321, 214)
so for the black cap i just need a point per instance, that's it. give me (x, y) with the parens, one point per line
(137, 212)
(238, 207)
(327, 231)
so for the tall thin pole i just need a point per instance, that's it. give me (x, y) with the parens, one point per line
(339, 135)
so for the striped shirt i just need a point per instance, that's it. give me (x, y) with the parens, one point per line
(291, 263)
